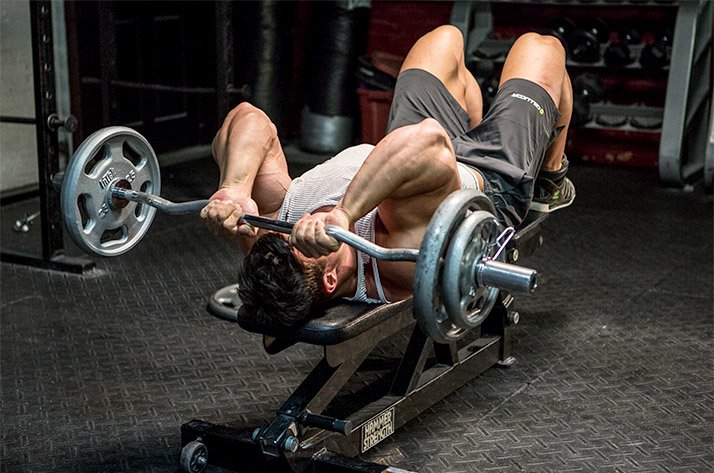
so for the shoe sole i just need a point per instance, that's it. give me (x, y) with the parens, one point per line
(546, 208)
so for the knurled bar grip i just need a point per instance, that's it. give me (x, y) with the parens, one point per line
(488, 272)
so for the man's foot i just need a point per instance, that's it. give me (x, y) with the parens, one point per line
(549, 196)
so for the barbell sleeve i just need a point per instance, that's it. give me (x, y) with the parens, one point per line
(160, 203)
(509, 277)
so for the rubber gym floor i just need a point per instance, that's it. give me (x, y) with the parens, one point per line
(615, 350)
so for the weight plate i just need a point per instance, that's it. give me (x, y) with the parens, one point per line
(467, 302)
(225, 302)
(110, 156)
(429, 307)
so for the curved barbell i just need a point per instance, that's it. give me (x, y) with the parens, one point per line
(488, 272)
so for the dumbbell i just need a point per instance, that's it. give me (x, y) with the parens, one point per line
(658, 54)
(588, 88)
(618, 52)
(585, 43)
(23, 225)
(562, 28)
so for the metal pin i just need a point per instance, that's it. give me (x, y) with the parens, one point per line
(503, 239)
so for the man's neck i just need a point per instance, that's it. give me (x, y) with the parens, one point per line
(347, 272)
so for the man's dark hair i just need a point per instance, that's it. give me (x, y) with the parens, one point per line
(274, 287)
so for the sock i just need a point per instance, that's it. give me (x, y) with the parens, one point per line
(556, 177)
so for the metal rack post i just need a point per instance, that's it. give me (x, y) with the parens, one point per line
(684, 130)
(46, 122)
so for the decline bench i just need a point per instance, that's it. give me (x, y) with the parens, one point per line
(300, 438)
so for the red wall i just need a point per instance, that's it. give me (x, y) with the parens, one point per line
(395, 26)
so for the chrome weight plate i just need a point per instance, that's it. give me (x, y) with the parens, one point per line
(429, 308)
(113, 156)
(467, 302)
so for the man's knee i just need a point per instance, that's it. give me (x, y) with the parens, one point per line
(536, 42)
(447, 34)
(540, 59)
(439, 51)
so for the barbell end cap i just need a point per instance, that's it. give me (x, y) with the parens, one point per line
(534, 282)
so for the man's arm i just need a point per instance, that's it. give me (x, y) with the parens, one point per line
(407, 176)
(253, 173)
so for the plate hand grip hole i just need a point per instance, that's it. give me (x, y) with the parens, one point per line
(131, 154)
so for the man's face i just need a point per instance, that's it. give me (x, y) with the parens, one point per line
(305, 260)
(301, 258)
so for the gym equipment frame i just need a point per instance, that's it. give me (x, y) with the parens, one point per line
(301, 439)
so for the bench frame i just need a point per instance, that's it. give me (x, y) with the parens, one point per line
(428, 372)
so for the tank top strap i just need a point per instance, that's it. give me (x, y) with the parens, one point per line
(361, 291)
(378, 282)
(375, 270)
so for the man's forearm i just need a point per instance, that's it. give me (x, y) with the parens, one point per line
(409, 163)
(377, 179)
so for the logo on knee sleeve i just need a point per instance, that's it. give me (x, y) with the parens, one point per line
(530, 101)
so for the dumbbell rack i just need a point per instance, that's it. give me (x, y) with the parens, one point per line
(682, 138)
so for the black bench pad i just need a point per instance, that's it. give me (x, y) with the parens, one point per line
(337, 323)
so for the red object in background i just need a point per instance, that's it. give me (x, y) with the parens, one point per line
(374, 104)
(396, 26)
(374, 113)
(626, 148)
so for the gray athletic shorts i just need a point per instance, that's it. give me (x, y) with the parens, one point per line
(507, 147)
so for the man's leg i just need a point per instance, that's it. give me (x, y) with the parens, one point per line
(541, 59)
(441, 53)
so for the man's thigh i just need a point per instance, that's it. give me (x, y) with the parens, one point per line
(419, 95)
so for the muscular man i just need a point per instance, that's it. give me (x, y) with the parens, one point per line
(437, 142)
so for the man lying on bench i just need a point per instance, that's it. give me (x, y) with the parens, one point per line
(437, 142)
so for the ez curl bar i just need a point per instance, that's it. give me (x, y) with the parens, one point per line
(108, 199)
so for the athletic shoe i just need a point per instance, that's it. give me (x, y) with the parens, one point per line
(549, 196)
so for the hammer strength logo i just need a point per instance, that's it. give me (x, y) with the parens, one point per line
(377, 429)
(529, 100)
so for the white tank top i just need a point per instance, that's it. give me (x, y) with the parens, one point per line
(325, 184)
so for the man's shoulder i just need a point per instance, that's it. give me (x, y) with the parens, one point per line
(361, 150)
(343, 164)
